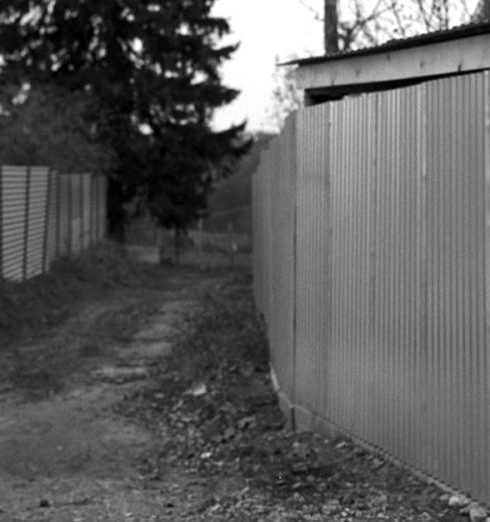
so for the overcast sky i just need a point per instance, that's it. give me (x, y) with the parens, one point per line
(266, 29)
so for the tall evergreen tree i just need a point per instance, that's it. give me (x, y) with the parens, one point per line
(151, 65)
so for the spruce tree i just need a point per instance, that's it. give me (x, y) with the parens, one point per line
(150, 65)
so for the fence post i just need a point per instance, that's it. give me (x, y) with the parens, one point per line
(26, 223)
(1, 222)
(46, 221)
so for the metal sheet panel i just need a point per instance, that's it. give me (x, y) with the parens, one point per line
(76, 187)
(313, 257)
(52, 228)
(458, 360)
(85, 184)
(281, 190)
(13, 208)
(392, 278)
(64, 215)
(36, 225)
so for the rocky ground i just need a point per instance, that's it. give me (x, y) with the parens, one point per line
(150, 400)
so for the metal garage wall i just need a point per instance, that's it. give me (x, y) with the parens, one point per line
(391, 273)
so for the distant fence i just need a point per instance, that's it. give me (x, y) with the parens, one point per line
(372, 269)
(45, 215)
(222, 231)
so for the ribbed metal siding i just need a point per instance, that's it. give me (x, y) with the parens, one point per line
(392, 272)
(102, 208)
(52, 240)
(13, 208)
(351, 152)
(76, 188)
(281, 188)
(458, 362)
(85, 181)
(36, 224)
(313, 257)
(65, 215)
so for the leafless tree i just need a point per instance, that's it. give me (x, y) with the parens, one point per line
(285, 98)
(362, 23)
(482, 13)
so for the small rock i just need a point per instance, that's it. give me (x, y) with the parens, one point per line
(457, 501)
(44, 503)
(477, 513)
(197, 391)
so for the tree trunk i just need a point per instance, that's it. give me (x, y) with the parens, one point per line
(331, 33)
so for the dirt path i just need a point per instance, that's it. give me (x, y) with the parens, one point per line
(65, 455)
(98, 425)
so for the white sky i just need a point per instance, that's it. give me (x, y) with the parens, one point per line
(266, 29)
(269, 30)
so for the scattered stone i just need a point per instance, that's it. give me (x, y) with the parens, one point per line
(197, 391)
(457, 501)
(121, 374)
(477, 513)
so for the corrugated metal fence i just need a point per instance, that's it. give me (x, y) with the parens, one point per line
(45, 215)
(372, 269)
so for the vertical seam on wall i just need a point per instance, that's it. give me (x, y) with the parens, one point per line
(26, 223)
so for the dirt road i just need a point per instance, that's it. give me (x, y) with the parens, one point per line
(65, 455)
(99, 422)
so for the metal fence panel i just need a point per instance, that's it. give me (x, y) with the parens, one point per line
(392, 272)
(102, 206)
(458, 362)
(76, 187)
(351, 152)
(14, 186)
(282, 234)
(44, 215)
(36, 221)
(313, 257)
(65, 215)
(52, 225)
(85, 182)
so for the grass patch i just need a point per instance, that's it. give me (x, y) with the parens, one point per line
(30, 307)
